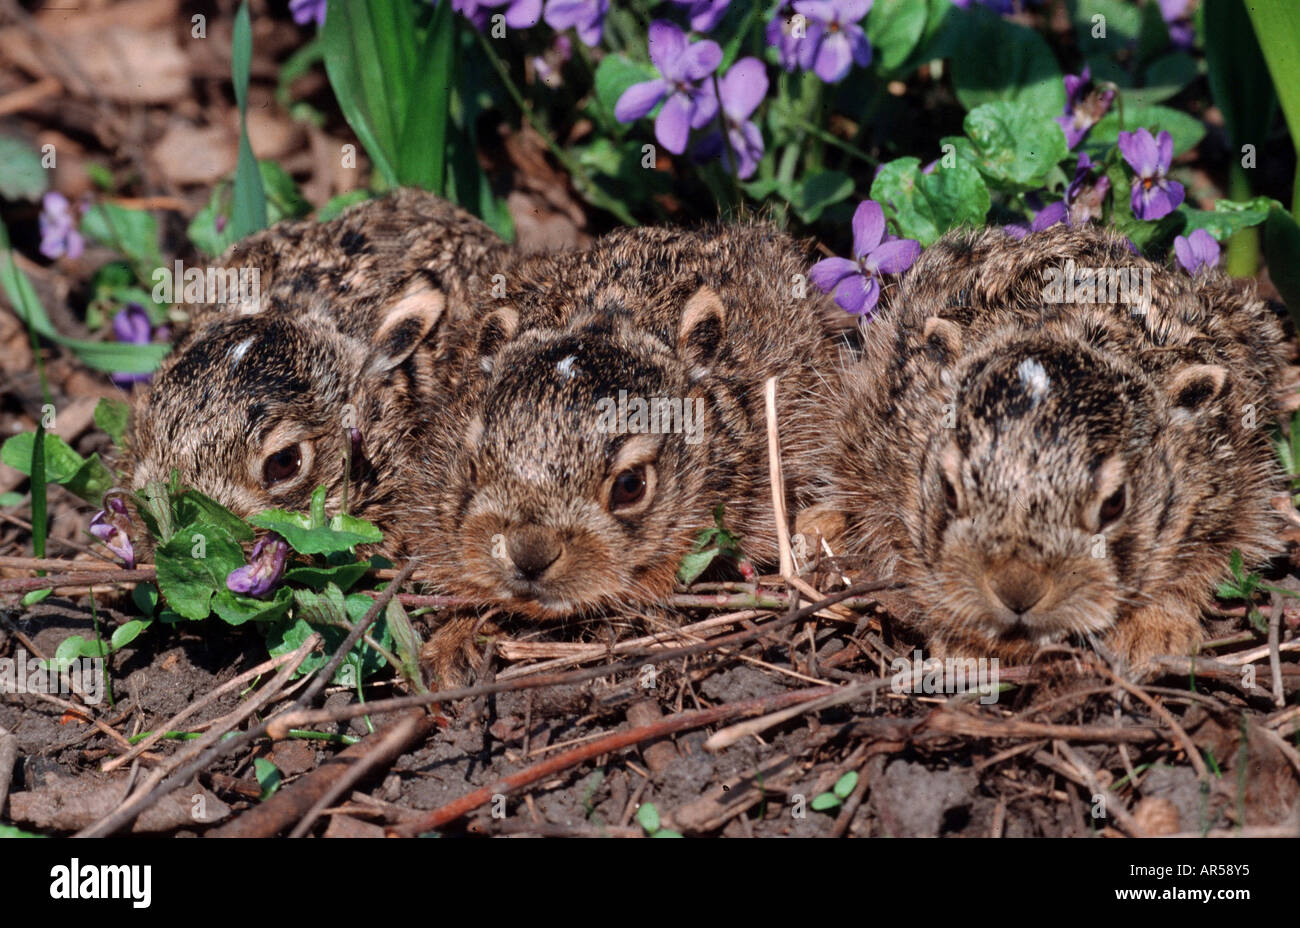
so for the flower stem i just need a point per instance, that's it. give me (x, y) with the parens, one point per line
(581, 179)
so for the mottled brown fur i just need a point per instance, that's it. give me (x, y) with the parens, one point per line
(1037, 470)
(524, 515)
(359, 325)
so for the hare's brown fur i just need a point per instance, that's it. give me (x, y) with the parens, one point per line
(1036, 470)
(354, 337)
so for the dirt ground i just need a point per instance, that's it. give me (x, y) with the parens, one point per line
(750, 731)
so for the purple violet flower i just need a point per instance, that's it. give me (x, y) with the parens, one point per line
(704, 14)
(743, 88)
(131, 325)
(791, 49)
(1086, 193)
(1178, 17)
(1082, 202)
(263, 570)
(1082, 111)
(306, 11)
(856, 283)
(59, 235)
(835, 37)
(586, 17)
(1154, 194)
(1197, 251)
(520, 14)
(110, 526)
(683, 65)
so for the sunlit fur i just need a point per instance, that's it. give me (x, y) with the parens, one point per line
(316, 355)
(528, 452)
(1051, 406)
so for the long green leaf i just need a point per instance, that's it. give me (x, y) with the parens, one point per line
(38, 492)
(1277, 26)
(1243, 91)
(248, 208)
(352, 66)
(422, 155)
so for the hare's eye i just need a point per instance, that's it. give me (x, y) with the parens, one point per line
(282, 465)
(629, 488)
(1112, 507)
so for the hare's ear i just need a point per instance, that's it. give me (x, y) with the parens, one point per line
(406, 321)
(943, 336)
(497, 328)
(703, 325)
(1193, 386)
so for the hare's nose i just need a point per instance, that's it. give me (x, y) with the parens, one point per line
(532, 550)
(1019, 586)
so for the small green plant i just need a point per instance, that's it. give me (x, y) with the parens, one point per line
(647, 817)
(1244, 586)
(712, 543)
(841, 791)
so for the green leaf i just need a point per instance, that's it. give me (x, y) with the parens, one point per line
(335, 206)
(1122, 25)
(188, 583)
(647, 817)
(894, 27)
(128, 632)
(153, 500)
(1165, 77)
(21, 175)
(845, 785)
(1011, 145)
(111, 417)
(1187, 131)
(694, 564)
(1002, 60)
(824, 802)
(355, 63)
(193, 506)
(145, 597)
(1238, 73)
(1282, 250)
(816, 192)
(132, 232)
(268, 777)
(1277, 28)
(1228, 216)
(343, 533)
(88, 478)
(329, 607)
(236, 609)
(406, 642)
(36, 596)
(12, 831)
(317, 578)
(614, 75)
(422, 146)
(925, 206)
(248, 213)
(10, 499)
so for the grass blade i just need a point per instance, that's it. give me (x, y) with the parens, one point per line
(353, 71)
(1277, 26)
(248, 208)
(422, 155)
